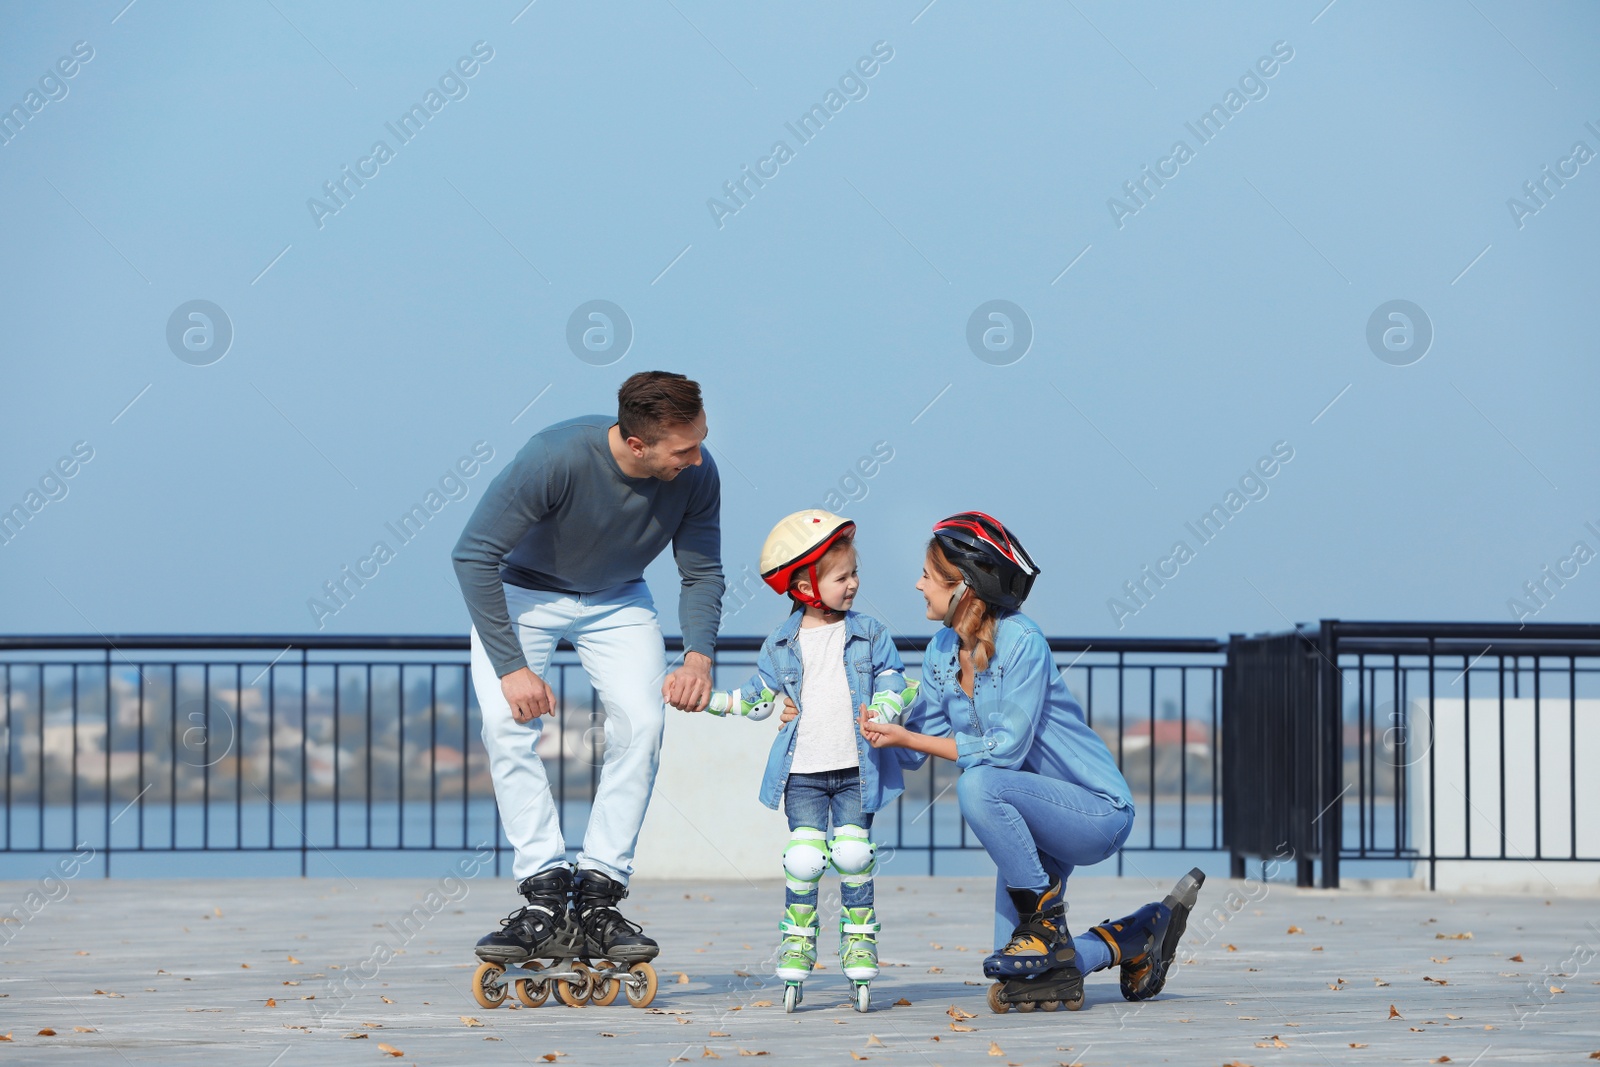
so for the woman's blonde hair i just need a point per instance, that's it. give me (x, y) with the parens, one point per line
(974, 621)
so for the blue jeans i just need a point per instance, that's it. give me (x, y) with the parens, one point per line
(1036, 829)
(810, 800)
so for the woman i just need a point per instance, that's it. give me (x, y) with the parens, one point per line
(1038, 786)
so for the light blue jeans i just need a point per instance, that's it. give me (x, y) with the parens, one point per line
(1036, 829)
(619, 643)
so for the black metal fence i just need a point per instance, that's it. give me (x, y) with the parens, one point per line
(1384, 745)
(1423, 743)
(307, 746)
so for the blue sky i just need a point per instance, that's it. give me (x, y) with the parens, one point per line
(1176, 339)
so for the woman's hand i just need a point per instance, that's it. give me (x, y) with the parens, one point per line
(789, 710)
(880, 734)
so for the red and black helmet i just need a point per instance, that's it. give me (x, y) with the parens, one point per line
(993, 562)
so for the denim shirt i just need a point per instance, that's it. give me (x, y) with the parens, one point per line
(871, 665)
(1021, 715)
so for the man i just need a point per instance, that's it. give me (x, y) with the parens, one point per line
(557, 549)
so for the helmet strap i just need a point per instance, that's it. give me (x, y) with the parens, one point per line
(955, 602)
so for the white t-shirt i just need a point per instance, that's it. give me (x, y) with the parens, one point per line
(825, 735)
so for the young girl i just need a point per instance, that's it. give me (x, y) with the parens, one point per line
(1038, 786)
(828, 661)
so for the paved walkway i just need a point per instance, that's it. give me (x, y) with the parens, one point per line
(289, 972)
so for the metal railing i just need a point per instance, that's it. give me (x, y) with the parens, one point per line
(307, 745)
(1415, 742)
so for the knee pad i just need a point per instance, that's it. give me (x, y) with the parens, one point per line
(806, 858)
(852, 853)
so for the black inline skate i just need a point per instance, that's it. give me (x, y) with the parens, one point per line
(1038, 967)
(544, 928)
(1146, 942)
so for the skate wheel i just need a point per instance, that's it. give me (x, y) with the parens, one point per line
(1027, 1005)
(575, 992)
(641, 989)
(863, 998)
(791, 998)
(603, 991)
(1050, 1005)
(531, 992)
(487, 988)
(1074, 1005)
(996, 1005)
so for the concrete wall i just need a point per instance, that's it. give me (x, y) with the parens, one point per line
(1468, 746)
(705, 822)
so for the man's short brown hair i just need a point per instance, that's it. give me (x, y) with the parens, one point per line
(654, 399)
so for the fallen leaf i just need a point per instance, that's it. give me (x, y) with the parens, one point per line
(706, 1055)
(390, 1049)
(756, 1052)
(357, 1035)
(742, 974)
(996, 1050)
(1380, 981)
(1514, 959)
(762, 1004)
(1231, 948)
(1295, 930)
(468, 1020)
(1357, 1044)
(244, 966)
(1467, 936)
(271, 1003)
(716, 1033)
(602, 1033)
(1436, 981)
(1394, 1012)
(931, 970)
(1442, 959)
(683, 979)
(902, 1003)
(935, 944)
(84, 1029)
(1447, 1015)
(858, 1056)
(385, 999)
(5, 1036)
(548, 1057)
(47, 1032)
(1557, 989)
(872, 1039)
(962, 1029)
(1442, 1059)
(956, 1013)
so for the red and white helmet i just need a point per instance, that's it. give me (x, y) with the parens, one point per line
(993, 562)
(797, 542)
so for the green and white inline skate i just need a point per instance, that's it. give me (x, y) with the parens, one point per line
(797, 952)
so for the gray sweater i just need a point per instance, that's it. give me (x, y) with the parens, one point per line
(563, 517)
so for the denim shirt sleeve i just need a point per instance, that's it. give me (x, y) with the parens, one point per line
(888, 672)
(1010, 719)
(766, 675)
